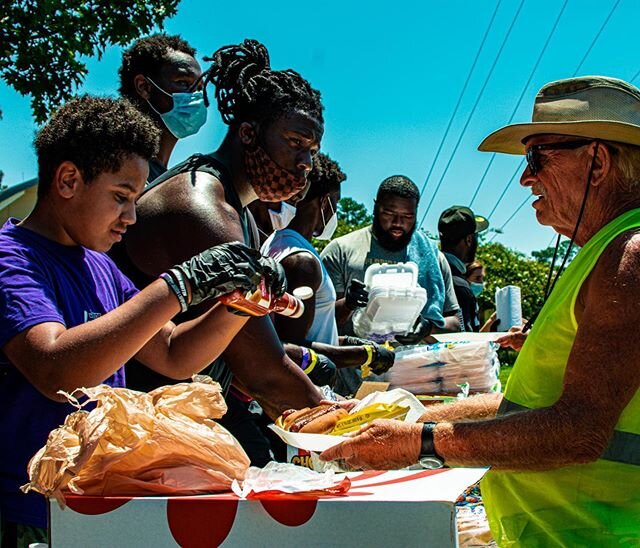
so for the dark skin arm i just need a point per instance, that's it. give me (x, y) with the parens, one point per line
(343, 312)
(304, 269)
(190, 213)
(577, 428)
(301, 269)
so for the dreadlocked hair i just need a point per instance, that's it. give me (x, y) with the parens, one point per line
(325, 177)
(247, 88)
(97, 134)
(146, 56)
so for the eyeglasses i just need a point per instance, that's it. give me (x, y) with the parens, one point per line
(533, 156)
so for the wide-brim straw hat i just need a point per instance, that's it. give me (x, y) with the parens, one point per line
(595, 107)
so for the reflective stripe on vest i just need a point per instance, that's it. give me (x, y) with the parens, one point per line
(623, 446)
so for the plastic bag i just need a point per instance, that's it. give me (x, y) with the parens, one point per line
(441, 367)
(278, 477)
(132, 443)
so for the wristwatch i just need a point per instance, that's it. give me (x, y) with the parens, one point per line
(428, 457)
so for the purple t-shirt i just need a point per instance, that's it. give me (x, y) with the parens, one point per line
(42, 281)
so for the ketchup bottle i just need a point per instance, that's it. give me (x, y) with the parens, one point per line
(260, 302)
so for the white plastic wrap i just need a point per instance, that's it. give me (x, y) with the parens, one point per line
(285, 478)
(440, 368)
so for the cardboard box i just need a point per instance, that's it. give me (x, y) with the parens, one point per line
(397, 508)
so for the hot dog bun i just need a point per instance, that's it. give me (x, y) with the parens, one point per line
(325, 423)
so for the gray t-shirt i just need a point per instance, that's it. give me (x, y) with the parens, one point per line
(348, 257)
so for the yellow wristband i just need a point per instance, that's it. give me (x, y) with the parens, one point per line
(369, 350)
(314, 361)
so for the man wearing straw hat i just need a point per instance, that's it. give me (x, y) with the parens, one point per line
(563, 441)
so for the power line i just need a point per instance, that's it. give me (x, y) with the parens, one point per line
(464, 88)
(584, 57)
(593, 43)
(524, 90)
(506, 187)
(511, 217)
(473, 109)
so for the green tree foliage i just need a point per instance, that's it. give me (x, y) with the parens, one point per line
(545, 255)
(504, 266)
(42, 41)
(352, 215)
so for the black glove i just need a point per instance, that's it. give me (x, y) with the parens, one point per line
(421, 329)
(356, 295)
(383, 359)
(324, 371)
(220, 270)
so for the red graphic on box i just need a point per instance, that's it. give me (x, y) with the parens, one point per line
(93, 506)
(291, 513)
(200, 523)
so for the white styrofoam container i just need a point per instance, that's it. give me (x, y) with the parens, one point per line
(395, 300)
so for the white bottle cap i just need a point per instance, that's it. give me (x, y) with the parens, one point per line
(303, 292)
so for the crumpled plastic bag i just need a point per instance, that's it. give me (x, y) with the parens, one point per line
(286, 478)
(132, 443)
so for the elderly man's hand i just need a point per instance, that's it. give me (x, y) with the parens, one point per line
(514, 338)
(380, 445)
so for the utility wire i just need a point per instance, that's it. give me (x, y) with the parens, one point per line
(593, 43)
(515, 109)
(584, 58)
(511, 217)
(473, 109)
(506, 187)
(464, 88)
(636, 75)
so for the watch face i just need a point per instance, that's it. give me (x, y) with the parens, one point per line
(430, 463)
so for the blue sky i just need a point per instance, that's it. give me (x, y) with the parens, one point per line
(391, 75)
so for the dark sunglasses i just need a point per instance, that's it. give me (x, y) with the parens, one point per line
(533, 156)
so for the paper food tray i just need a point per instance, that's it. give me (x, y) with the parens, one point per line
(321, 442)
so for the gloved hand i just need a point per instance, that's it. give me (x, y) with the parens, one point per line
(383, 359)
(321, 370)
(356, 296)
(220, 270)
(421, 329)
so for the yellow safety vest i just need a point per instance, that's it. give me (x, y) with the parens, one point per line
(595, 504)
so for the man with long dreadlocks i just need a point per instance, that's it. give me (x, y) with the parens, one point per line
(563, 442)
(275, 127)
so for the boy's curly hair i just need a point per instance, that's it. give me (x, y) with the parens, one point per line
(96, 134)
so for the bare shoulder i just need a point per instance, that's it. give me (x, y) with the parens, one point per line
(616, 271)
(179, 218)
(303, 269)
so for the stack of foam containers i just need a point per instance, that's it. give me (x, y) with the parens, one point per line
(442, 368)
(395, 301)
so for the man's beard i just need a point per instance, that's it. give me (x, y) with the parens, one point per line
(387, 241)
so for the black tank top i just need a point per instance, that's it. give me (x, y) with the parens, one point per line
(138, 376)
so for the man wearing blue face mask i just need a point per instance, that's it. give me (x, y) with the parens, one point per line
(160, 75)
(459, 227)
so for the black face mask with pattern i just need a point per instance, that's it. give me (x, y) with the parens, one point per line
(270, 182)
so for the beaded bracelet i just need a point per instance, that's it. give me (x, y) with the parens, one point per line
(168, 278)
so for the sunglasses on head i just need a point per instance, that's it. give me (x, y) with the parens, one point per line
(533, 150)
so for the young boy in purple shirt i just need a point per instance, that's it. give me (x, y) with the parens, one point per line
(68, 317)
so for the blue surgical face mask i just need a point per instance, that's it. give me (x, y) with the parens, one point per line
(188, 114)
(476, 288)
